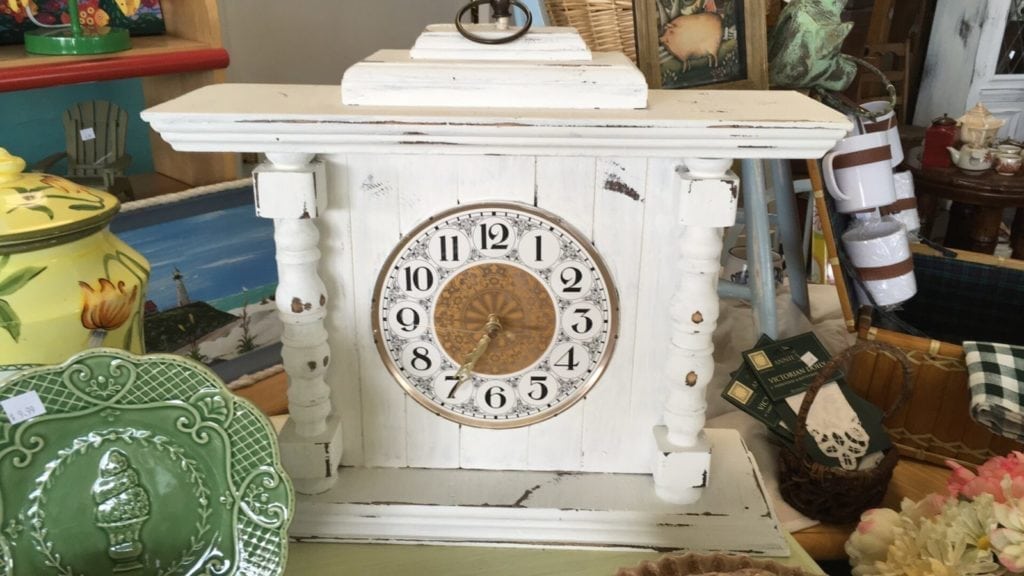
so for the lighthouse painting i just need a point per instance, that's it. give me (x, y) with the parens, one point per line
(211, 290)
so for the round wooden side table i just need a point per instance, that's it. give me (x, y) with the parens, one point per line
(978, 205)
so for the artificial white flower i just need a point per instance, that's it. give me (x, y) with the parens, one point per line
(870, 542)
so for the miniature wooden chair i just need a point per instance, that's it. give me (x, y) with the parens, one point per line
(95, 133)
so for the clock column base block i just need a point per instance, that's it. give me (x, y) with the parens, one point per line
(547, 509)
(681, 473)
(311, 461)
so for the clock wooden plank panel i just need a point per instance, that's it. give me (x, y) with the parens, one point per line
(427, 184)
(619, 195)
(658, 272)
(509, 178)
(374, 184)
(565, 186)
(336, 249)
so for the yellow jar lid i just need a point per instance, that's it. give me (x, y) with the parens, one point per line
(36, 207)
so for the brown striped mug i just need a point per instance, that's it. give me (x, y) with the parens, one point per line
(884, 122)
(880, 254)
(858, 173)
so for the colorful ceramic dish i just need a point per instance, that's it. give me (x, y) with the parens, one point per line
(137, 464)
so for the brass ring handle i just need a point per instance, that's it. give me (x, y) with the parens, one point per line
(499, 8)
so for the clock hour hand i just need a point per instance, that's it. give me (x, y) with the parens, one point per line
(491, 329)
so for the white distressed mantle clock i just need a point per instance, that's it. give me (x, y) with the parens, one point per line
(498, 271)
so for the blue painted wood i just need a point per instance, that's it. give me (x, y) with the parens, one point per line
(759, 255)
(788, 225)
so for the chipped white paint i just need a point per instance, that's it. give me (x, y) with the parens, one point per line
(531, 508)
(960, 68)
(707, 203)
(393, 78)
(311, 444)
(617, 175)
(551, 43)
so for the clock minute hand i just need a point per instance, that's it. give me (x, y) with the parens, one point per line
(491, 329)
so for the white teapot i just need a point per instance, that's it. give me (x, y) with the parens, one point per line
(971, 158)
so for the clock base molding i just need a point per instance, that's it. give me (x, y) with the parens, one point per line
(547, 509)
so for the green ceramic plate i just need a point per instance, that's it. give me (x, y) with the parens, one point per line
(141, 465)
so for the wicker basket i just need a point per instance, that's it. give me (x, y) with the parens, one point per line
(832, 494)
(605, 25)
(935, 424)
(695, 564)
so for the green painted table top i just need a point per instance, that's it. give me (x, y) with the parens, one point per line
(394, 560)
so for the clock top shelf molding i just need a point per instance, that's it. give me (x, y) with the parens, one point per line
(484, 188)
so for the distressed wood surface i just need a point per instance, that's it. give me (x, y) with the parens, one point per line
(425, 184)
(620, 188)
(546, 509)
(564, 186)
(394, 78)
(444, 42)
(680, 123)
(376, 228)
(481, 179)
(951, 62)
(336, 247)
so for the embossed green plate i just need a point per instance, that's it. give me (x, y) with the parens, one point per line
(141, 465)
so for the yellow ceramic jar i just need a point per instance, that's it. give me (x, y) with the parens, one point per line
(66, 282)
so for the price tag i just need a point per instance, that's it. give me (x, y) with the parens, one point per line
(23, 407)
(87, 134)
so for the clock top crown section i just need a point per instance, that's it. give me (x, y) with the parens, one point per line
(543, 94)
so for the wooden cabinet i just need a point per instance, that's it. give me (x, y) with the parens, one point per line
(188, 56)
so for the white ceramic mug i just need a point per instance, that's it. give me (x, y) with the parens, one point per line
(885, 122)
(880, 253)
(737, 269)
(904, 209)
(858, 173)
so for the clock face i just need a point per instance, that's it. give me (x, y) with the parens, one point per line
(495, 315)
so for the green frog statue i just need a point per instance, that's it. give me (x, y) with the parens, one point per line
(122, 507)
(803, 48)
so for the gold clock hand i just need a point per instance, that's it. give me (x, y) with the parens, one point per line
(491, 329)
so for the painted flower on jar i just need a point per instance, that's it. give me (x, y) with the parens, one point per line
(91, 15)
(16, 9)
(106, 308)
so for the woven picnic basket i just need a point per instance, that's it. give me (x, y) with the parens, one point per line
(605, 25)
(832, 494)
(969, 297)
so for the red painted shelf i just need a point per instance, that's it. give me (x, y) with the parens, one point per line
(149, 56)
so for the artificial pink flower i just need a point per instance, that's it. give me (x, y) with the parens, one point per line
(966, 484)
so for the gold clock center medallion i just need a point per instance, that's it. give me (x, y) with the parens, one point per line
(518, 300)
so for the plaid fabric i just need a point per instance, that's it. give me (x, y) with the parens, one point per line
(996, 381)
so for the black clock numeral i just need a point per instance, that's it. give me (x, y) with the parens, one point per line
(539, 248)
(421, 359)
(568, 360)
(408, 319)
(572, 280)
(586, 323)
(449, 248)
(494, 236)
(495, 397)
(454, 381)
(538, 388)
(419, 278)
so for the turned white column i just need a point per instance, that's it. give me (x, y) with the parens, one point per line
(709, 195)
(291, 190)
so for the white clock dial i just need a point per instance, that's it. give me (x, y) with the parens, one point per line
(495, 315)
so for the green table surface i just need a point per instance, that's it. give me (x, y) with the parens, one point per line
(400, 560)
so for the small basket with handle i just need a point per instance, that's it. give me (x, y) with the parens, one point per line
(832, 494)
